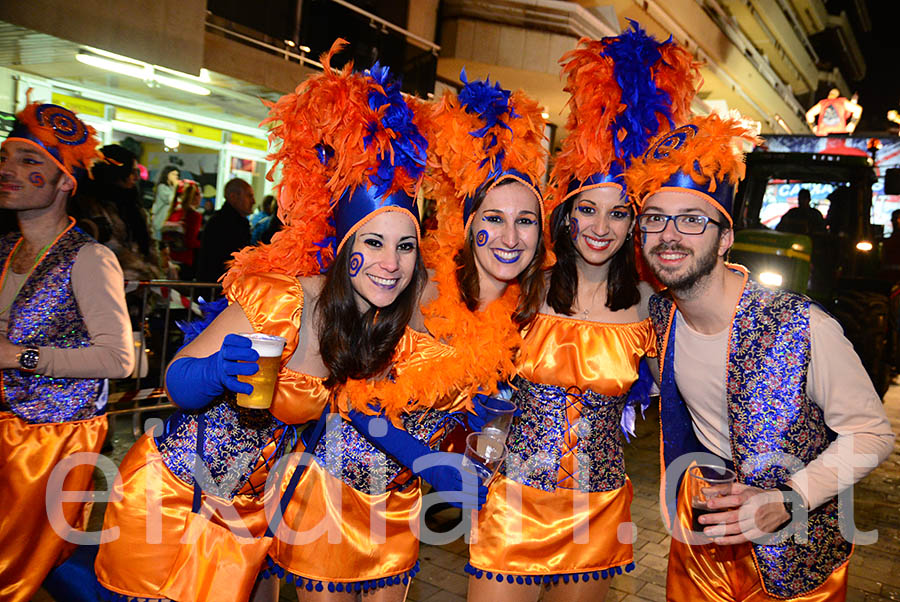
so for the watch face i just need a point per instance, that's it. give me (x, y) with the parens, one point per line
(28, 359)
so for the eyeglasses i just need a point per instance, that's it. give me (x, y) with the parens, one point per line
(686, 223)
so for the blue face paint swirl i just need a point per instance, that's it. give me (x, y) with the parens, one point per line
(481, 238)
(356, 263)
(573, 228)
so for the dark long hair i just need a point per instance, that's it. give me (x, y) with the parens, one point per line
(354, 345)
(531, 280)
(621, 283)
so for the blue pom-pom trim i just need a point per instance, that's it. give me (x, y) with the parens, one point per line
(110, 596)
(273, 569)
(544, 579)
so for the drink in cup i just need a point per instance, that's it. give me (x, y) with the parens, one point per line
(484, 455)
(499, 416)
(269, 347)
(704, 483)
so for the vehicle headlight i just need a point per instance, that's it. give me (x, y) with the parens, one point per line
(770, 278)
(864, 246)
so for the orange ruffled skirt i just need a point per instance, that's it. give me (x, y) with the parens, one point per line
(713, 573)
(346, 539)
(29, 546)
(149, 509)
(528, 532)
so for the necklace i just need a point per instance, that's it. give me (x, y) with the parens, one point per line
(8, 268)
(587, 311)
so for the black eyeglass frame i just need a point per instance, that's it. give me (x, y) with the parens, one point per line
(706, 220)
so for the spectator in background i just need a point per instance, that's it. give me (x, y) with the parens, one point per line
(802, 219)
(185, 243)
(162, 199)
(64, 330)
(227, 231)
(890, 250)
(108, 207)
(259, 221)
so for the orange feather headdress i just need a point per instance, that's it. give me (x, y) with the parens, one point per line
(479, 138)
(624, 90)
(698, 158)
(348, 147)
(60, 135)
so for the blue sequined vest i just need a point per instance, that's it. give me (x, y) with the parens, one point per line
(769, 413)
(45, 314)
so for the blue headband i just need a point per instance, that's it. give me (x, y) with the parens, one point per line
(356, 207)
(722, 198)
(490, 183)
(614, 176)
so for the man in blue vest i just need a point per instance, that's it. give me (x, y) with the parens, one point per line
(757, 380)
(64, 330)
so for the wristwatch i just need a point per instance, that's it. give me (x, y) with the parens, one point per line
(789, 496)
(28, 358)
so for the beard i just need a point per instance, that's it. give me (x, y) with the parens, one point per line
(704, 263)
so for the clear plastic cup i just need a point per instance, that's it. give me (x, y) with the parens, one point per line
(269, 347)
(484, 455)
(500, 413)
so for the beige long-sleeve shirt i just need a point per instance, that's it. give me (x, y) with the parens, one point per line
(836, 382)
(99, 289)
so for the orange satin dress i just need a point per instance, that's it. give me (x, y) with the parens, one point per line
(150, 505)
(341, 533)
(32, 543)
(706, 572)
(570, 523)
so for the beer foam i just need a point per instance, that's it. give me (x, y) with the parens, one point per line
(266, 345)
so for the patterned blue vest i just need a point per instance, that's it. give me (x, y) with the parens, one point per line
(769, 414)
(45, 314)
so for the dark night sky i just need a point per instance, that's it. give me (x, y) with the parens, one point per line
(880, 90)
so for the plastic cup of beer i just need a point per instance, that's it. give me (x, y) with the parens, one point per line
(707, 482)
(269, 347)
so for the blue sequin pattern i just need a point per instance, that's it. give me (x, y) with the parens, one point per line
(45, 314)
(238, 443)
(544, 435)
(771, 419)
(347, 455)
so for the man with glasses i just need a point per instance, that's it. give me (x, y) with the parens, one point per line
(761, 381)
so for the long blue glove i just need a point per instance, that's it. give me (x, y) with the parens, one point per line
(481, 415)
(441, 470)
(193, 382)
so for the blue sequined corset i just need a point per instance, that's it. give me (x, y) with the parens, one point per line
(350, 457)
(240, 447)
(45, 314)
(565, 438)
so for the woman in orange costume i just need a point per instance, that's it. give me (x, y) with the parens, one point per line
(351, 157)
(480, 291)
(558, 519)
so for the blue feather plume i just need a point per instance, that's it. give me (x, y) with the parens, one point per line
(634, 54)
(408, 146)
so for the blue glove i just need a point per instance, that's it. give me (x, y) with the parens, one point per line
(442, 470)
(638, 395)
(481, 416)
(193, 382)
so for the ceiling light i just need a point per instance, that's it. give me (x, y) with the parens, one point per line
(171, 143)
(180, 84)
(115, 66)
(864, 245)
(145, 73)
(545, 115)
